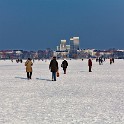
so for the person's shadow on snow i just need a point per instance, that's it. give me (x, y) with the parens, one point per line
(21, 78)
(83, 71)
(36, 78)
(43, 79)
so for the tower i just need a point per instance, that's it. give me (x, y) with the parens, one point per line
(74, 46)
(74, 43)
(63, 45)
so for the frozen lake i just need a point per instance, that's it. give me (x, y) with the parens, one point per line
(79, 97)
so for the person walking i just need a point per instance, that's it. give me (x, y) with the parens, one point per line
(110, 61)
(99, 61)
(90, 64)
(53, 66)
(29, 65)
(64, 65)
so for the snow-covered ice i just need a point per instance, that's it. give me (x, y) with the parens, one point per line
(79, 97)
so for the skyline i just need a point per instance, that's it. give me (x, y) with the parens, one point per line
(41, 24)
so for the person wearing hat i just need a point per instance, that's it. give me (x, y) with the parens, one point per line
(53, 66)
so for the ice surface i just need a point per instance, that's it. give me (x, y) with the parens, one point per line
(79, 97)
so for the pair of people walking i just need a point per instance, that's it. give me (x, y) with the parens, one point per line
(54, 67)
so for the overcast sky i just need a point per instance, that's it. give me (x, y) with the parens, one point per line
(40, 24)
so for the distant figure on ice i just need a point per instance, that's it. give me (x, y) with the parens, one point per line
(90, 64)
(110, 61)
(29, 65)
(100, 61)
(17, 60)
(21, 60)
(54, 68)
(64, 65)
(97, 59)
(113, 60)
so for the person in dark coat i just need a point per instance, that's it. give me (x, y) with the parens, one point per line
(110, 61)
(113, 60)
(29, 65)
(90, 64)
(64, 65)
(54, 68)
(99, 61)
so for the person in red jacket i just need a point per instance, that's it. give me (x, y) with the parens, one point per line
(90, 64)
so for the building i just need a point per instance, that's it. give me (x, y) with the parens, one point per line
(74, 47)
(58, 48)
(74, 43)
(68, 48)
(63, 45)
(62, 50)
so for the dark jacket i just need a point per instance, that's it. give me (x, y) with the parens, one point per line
(64, 64)
(53, 65)
(89, 62)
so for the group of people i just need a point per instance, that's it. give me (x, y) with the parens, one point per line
(100, 60)
(18, 60)
(53, 66)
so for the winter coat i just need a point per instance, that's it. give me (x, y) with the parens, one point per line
(64, 64)
(53, 65)
(28, 65)
(89, 62)
(110, 61)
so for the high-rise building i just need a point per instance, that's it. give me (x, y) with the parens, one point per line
(63, 45)
(74, 46)
(58, 48)
(68, 47)
(74, 43)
